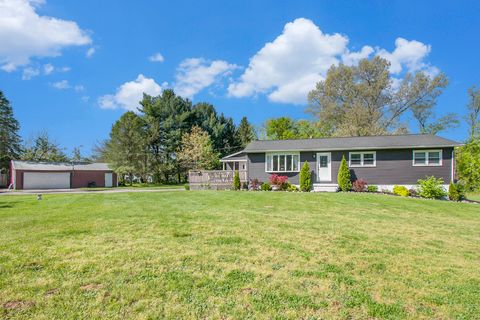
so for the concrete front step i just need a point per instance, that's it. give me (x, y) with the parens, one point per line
(325, 187)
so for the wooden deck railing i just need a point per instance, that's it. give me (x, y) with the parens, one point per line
(214, 179)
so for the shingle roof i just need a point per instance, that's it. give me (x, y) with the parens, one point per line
(237, 156)
(59, 166)
(352, 143)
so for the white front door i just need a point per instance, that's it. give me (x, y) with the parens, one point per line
(324, 167)
(108, 180)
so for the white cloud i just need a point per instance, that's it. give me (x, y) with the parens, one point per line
(61, 85)
(352, 58)
(195, 74)
(29, 73)
(25, 34)
(130, 93)
(157, 57)
(407, 54)
(79, 88)
(287, 68)
(48, 68)
(90, 52)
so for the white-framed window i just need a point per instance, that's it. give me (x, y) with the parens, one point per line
(427, 158)
(362, 159)
(282, 162)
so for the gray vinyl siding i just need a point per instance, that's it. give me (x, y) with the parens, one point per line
(392, 167)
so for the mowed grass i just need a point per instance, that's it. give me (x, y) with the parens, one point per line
(238, 255)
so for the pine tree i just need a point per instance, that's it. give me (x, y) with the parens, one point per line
(245, 132)
(10, 141)
(305, 178)
(343, 178)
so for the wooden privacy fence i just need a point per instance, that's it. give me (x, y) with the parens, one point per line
(214, 179)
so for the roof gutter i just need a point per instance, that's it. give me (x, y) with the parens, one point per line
(354, 148)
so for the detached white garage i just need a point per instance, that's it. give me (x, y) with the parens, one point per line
(54, 175)
(46, 180)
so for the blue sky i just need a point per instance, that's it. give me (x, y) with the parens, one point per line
(73, 67)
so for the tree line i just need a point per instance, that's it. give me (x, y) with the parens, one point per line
(169, 135)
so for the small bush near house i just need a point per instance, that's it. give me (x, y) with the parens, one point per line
(456, 191)
(343, 178)
(431, 188)
(413, 192)
(401, 191)
(278, 181)
(359, 185)
(292, 188)
(254, 184)
(187, 187)
(372, 188)
(305, 178)
(236, 181)
(266, 187)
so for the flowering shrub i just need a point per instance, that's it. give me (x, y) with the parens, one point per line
(401, 191)
(359, 185)
(279, 181)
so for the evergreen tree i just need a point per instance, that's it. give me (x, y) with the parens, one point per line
(343, 178)
(10, 141)
(236, 181)
(43, 148)
(245, 132)
(305, 178)
(167, 118)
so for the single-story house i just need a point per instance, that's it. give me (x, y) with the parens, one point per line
(384, 161)
(53, 175)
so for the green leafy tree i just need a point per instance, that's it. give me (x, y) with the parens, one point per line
(473, 115)
(361, 100)
(236, 181)
(280, 128)
(10, 141)
(245, 132)
(306, 129)
(197, 151)
(43, 148)
(343, 177)
(468, 164)
(126, 149)
(305, 178)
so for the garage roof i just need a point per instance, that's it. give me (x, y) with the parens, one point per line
(59, 166)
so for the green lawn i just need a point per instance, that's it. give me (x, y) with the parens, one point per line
(237, 255)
